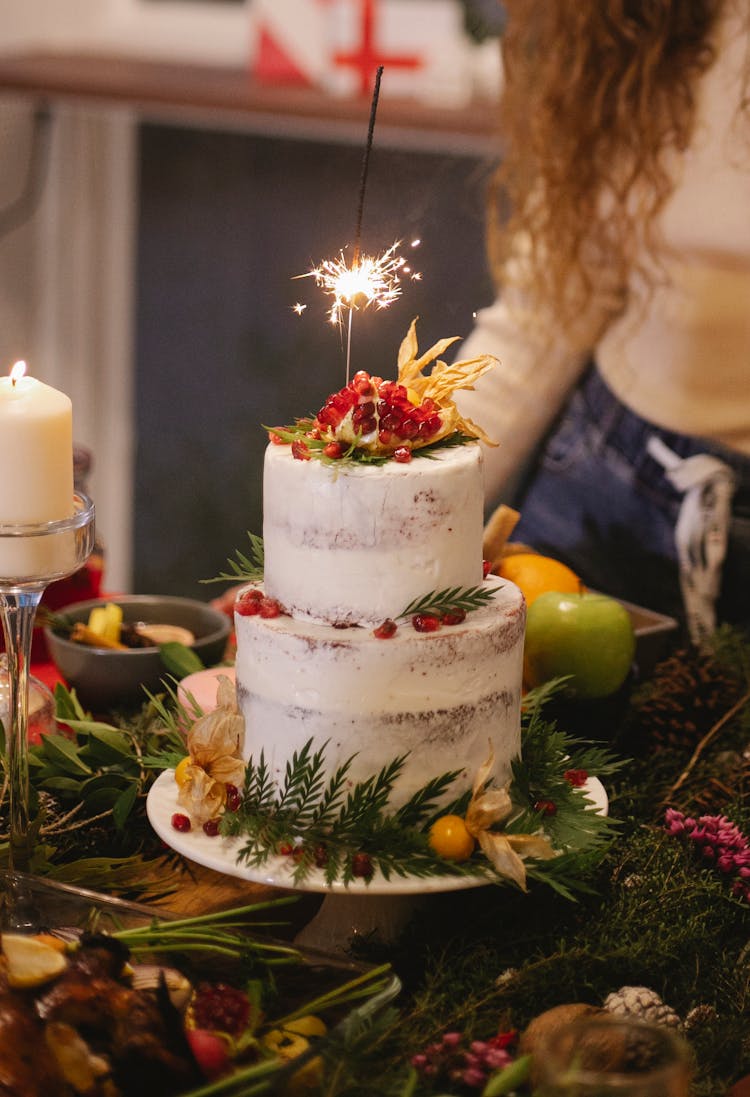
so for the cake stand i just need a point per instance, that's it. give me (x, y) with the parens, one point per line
(379, 906)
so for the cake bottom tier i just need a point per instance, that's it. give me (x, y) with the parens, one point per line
(440, 698)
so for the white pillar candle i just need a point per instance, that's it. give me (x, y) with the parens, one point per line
(36, 475)
(36, 450)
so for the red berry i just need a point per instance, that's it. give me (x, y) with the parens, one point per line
(334, 450)
(211, 827)
(425, 622)
(454, 618)
(300, 450)
(576, 777)
(233, 798)
(269, 608)
(545, 807)
(285, 848)
(386, 630)
(362, 865)
(209, 1051)
(181, 822)
(486, 568)
(402, 454)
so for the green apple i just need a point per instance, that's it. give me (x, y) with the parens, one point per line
(588, 636)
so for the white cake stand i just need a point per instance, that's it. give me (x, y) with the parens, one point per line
(357, 909)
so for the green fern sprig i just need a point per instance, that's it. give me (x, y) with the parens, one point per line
(299, 431)
(449, 600)
(243, 569)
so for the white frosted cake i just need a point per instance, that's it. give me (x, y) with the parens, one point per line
(325, 649)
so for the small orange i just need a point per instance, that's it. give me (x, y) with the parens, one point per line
(449, 838)
(536, 574)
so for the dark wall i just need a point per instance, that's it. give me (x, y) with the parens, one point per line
(226, 222)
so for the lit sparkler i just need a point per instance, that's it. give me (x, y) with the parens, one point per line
(370, 280)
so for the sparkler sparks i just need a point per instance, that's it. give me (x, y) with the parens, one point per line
(370, 280)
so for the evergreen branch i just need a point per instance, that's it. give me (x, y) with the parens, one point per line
(354, 454)
(450, 599)
(243, 569)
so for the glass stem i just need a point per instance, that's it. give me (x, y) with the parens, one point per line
(18, 610)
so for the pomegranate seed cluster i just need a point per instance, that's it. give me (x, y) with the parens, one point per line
(360, 863)
(718, 842)
(379, 411)
(450, 1061)
(211, 827)
(220, 1007)
(254, 603)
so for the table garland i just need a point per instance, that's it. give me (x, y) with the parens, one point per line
(661, 923)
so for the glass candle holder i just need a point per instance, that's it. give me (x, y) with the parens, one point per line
(604, 1056)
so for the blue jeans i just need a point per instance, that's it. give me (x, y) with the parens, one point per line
(597, 500)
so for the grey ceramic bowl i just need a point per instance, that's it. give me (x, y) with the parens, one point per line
(104, 678)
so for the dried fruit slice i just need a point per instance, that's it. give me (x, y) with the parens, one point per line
(165, 634)
(31, 962)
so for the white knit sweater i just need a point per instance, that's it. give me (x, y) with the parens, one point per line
(681, 361)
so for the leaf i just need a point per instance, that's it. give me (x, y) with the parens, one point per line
(64, 753)
(124, 805)
(62, 784)
(108, 745)
(67, 705)
(179, 659)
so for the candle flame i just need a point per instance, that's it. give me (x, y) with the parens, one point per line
(17, 371)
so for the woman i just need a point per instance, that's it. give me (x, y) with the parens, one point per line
(620, 239)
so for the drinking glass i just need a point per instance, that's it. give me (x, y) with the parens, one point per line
(612, 1056)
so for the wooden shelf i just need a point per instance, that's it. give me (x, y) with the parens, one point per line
(219, 96)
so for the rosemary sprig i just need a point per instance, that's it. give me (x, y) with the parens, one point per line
(449, 600)
(243, 569)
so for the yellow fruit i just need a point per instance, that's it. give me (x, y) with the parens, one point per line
(106, 621)
(31, 962)
(308, 1025)
(450, 839)
(535, 574)
(180, 773)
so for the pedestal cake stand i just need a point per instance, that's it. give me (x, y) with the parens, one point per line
(358, 908)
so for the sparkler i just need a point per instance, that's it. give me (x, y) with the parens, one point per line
(369, 279)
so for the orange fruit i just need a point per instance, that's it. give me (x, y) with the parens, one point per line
(536, 574)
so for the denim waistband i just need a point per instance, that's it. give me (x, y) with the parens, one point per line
(628, 433)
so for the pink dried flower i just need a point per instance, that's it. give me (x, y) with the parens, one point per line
(464, 1063)
(719, 842)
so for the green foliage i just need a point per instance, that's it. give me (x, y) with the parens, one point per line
(449, 600)
(243, 569)
(299, 431)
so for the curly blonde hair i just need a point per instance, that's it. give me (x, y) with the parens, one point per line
(599, 94)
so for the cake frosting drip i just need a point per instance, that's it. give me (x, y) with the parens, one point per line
(354, 544)
(442, 697)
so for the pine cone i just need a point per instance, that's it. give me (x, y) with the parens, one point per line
(687, 693)
(643, 1004)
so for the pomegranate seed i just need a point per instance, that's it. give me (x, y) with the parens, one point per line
(285, 848)
(362, 865)
(248, 604)
(402, 454)
(361, 383)
(386, 630)
(220, 1006)
(233, 798)
(181, 822)
(320, 855)
(409, 429)
(362, 412)
(391, 421)
(425, 622)
(298, 853)
(576, 777)
(211, 827)
(455, 617)
(545, 807)
(486, 568)
(274, 439)
(385, 437)
(269, 607)
(300, 450)
(314, 433)
(334, 450)
(368, 426)
(328, 417)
